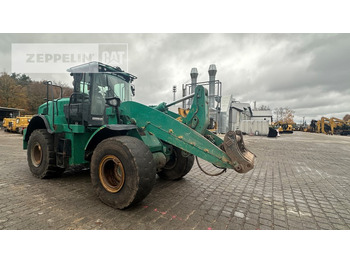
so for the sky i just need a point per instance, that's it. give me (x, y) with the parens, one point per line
(309, 73)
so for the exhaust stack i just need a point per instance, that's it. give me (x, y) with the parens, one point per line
(212, 72)
(194, 76)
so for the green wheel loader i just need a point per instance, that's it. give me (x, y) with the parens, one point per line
(125, 143)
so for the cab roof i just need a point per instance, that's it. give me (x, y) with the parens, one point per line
(98, 67)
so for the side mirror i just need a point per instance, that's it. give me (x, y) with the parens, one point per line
(113, 101)
(133, 90)
(218, 99)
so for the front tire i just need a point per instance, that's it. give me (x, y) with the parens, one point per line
(41, 155)
(178, 166)
(122, 171)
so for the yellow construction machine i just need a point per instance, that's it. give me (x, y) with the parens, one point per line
(324, 126)
(339, 126)
(331, 126)
(284, 127)
(21, 123)
(7, 123)
(16, 125)
(312, 127)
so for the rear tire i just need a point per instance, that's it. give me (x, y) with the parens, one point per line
(178, 166)
(41, 155)
(122, 171)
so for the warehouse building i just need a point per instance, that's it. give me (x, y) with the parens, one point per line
(236, 115)
(232, 113)
(6, 112)
(262, 115)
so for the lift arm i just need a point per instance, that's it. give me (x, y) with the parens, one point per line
(191, 134)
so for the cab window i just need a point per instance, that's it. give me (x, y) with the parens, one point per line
(85, 84)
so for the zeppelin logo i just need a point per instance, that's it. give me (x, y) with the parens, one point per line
(56, 58)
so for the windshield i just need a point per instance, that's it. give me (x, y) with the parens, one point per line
(112, 86)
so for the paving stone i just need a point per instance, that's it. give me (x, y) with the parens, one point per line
(297, 188)
(249, 227)
(234, 227)
(280, 223)
(279, 228)
(325, 226)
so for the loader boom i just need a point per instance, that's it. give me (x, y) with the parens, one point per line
(187, 133)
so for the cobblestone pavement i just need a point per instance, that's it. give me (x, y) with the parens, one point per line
(300, 181)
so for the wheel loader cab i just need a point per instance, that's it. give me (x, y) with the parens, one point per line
(96, 88)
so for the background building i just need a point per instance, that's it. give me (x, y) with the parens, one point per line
(262, 115)
(236, 115)
(9, 112)
(232, 113)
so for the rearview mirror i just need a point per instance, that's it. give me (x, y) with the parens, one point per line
(133, 90)
(113, 101)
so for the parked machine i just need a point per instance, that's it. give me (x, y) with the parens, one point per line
(324, 125)
(283, 127)
(345, 129)
(125, 143)
(8, 123)
(337, 126)
(21, 123)
(16, 125)
(312, 127)
(333, 126)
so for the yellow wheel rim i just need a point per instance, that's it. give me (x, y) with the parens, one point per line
(111, 173)
(36, 154)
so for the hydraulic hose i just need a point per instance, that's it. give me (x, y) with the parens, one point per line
(209, 174)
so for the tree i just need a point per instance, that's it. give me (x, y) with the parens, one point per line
(36, 93)
(21, 79)
(19, 91)
(284, 114)
(67, 90)
(278, 111)
(289, 116)
(263, 108)
(12, 94)
(346, 117)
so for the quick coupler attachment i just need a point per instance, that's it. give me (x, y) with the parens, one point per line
(242, 158)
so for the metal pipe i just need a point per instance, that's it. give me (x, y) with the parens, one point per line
(183, 95)
(212, 72)
(180, 100)
(194, 75)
